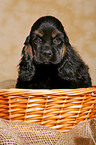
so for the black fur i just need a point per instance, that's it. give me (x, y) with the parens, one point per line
(48, 59)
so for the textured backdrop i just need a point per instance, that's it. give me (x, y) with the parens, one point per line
(17, 16)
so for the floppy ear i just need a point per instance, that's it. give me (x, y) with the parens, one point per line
(27, 49)
(74, 70)
(26, 66)
(70, 62)
(68, 67)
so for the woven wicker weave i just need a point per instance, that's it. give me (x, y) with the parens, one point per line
(59, 109)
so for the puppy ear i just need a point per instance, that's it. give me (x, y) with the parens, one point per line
(27, 49)
(74, 70)
(27, 52)
(26, 66)
(67, 69)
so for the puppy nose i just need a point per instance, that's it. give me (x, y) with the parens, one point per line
(47, 53)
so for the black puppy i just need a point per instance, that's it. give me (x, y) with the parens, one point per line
(48, 59)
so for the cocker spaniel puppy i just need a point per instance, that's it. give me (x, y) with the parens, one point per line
(48, 59)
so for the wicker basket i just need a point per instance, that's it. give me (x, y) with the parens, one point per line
(59, 109)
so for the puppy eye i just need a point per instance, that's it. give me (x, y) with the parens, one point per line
(37, 40)
(57, 41)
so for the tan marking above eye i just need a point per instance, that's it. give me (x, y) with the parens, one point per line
(55, 32)
(39, 32)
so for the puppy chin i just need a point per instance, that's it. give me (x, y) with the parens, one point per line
(56, 62)
(45, 61)
(51, 62)
(42, 62)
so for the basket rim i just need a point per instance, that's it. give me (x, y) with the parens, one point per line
(77, 91)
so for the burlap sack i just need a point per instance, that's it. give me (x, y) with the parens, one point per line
(22, 133)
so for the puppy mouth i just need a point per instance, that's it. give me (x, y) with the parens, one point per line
(38, 61)
(46, 61)
(43, 62)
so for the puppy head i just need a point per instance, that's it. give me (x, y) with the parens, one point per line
(48, 40)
